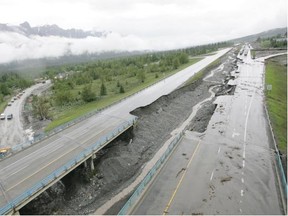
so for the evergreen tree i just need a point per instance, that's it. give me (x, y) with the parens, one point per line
(121, 89)
(87, 94)
(103, 90)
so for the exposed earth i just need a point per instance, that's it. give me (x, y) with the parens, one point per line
(116, 166)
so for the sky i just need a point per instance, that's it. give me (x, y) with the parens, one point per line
(142, 24)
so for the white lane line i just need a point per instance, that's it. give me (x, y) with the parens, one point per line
(219, 149)
(212, 174)
(242, 180)
(246, 121)
(42, 168)
(16, 171)
(240, 210)
(242, 193)
(243, 163)
(35, 155)
(244, 154)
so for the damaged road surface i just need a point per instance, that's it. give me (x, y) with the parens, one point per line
(228, 168)
(119, 163)
(122, 161)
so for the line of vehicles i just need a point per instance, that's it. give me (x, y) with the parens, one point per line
(3, 116)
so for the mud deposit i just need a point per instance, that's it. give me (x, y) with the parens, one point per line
(120, 163)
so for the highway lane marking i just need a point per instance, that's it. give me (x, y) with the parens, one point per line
(212, 174)
(243, 163)
(17, 170)
(242, 180)
(242, 193)
(28, 163)
(246, 120)
(38, 153)
(219, 149)
(180, 181)
(22, 180)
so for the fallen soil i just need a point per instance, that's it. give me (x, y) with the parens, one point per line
(120, 163)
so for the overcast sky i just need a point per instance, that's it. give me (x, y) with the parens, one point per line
(153, 24)
(206, 19)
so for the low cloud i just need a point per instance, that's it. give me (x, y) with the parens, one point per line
(14, 46)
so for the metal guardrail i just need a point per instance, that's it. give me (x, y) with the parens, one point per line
(278, 158)
(139, 190)
(69, 165)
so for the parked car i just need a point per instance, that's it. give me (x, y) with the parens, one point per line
(9, 116)
(2, 116)
(4, 151)
(10, 104)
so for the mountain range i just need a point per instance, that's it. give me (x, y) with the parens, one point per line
(49, 30)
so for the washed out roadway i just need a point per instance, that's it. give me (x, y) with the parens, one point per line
(23, 170)
(228, 169)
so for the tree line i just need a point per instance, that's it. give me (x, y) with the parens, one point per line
(77, 84)
(11, 82)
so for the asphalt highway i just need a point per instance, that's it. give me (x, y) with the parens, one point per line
(229, 168)
(26, 168)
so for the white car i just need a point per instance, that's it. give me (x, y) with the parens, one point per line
(2, 116)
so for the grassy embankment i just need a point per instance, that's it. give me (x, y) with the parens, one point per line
(276, 100)
(81, 110)
(203, 72)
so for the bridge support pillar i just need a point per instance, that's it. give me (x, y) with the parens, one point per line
(92, 164)
(85, 163)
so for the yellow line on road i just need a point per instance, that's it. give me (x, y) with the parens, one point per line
(180, 181)
(24, 179)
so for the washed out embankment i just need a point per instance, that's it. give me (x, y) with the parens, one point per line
(121, 162)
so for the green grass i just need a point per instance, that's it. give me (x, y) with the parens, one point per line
(64, 116)
(276, 99)
(3, 106)
(253, 54)
(203, 72)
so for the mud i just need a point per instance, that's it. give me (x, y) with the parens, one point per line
(120, 163)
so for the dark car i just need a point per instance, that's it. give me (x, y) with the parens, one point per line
(9, 116)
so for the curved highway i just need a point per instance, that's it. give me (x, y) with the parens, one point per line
(227, 170)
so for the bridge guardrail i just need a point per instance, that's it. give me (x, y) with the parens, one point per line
(61, 170)
(139, 190)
